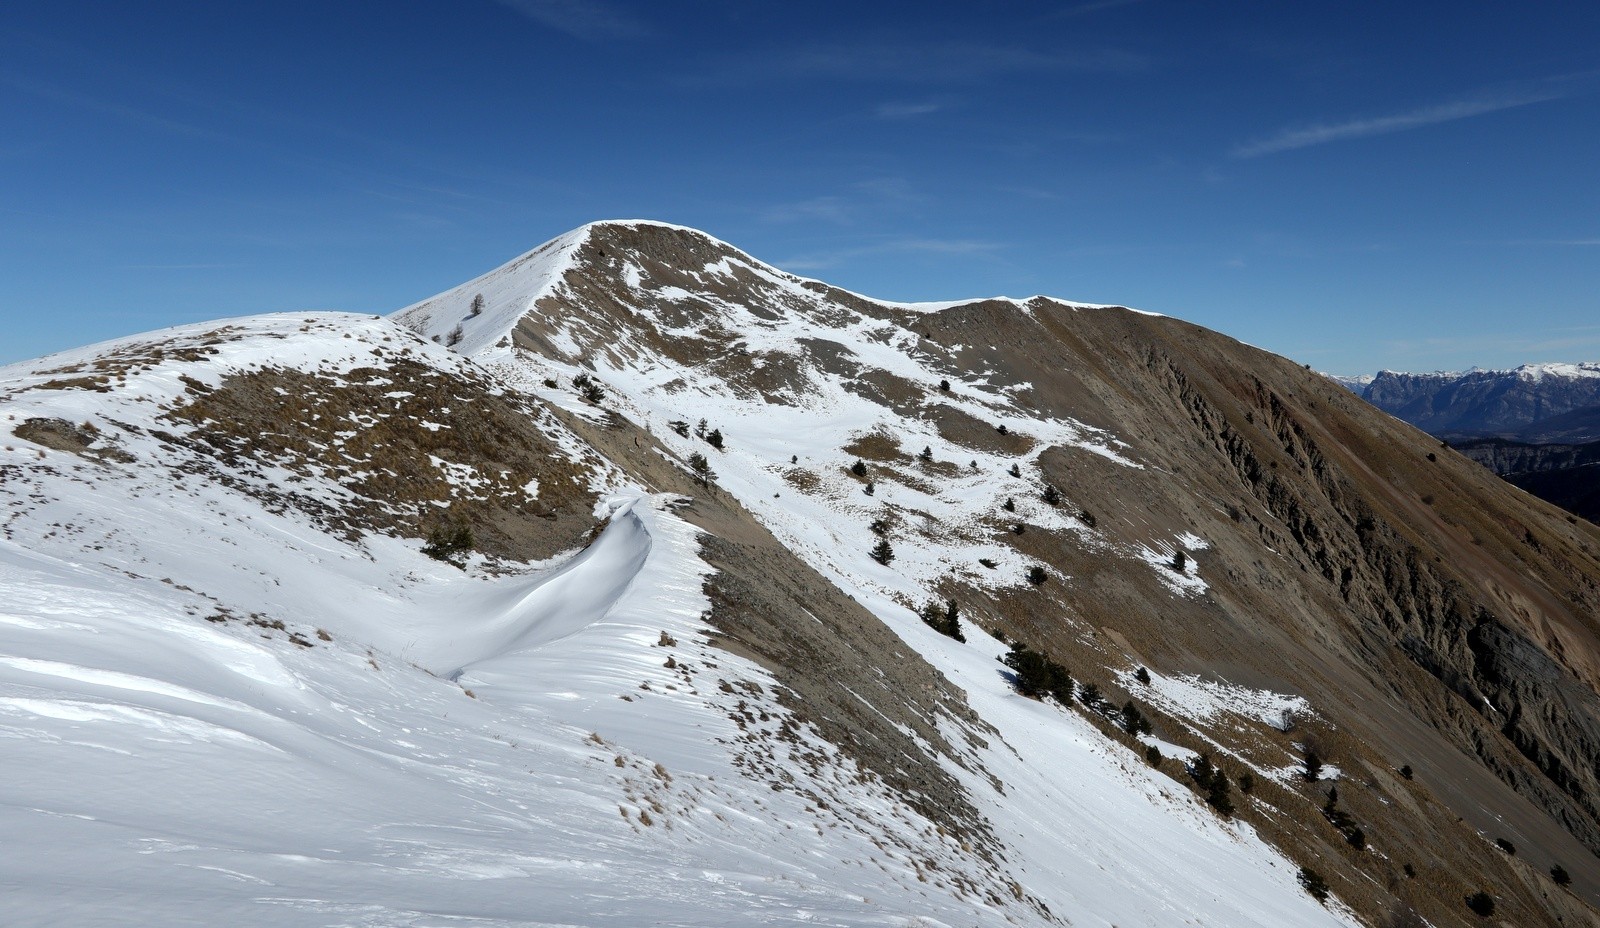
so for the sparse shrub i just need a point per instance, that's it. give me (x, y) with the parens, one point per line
(859, 468)
(1142, 675)
(1001, 429)
(1506, 846)
(870, 488)
(1356, 837)
(1018, 529)
(1051, 495)
(882, 552)
(714, 439)
(679, 426)
(1312, 882)
(1405, 771)
(587, 388)
(988, 563)
(1152, 755)
(550, 383)
(1036, 574)
(1481, 904)
(448, 543)
(1559, 875)
(879, 527)
(1087, 518)
(1410, 871)
(1247, 782)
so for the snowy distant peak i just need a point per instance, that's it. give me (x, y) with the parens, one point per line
(1535, 371)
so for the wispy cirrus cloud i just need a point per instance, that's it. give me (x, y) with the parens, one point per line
(923, 63)
(1489, 101)
(592, 20)
(907, 110)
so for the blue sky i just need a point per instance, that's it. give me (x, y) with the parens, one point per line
(1354, 185)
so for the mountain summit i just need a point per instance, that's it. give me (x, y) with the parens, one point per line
(638, 581)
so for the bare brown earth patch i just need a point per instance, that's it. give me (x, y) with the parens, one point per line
(396, 438)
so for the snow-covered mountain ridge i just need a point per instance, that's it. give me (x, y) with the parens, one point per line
(657, 696)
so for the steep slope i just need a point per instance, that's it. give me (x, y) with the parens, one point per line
(235, 691)
(1428, 618)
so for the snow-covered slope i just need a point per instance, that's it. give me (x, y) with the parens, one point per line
(236, 689)
(218, 711)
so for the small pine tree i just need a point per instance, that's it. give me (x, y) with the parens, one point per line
(1142, 675)
(701, 468)
(1001, 429)
(944, 385)
(1180, 562)
(1018, 529)
(1051, 495)
(1152, 755)
(448, 543)
(870, 488)
(882, 552)
(1202, 771)
(1356, 837)
(1559, 875)
(1036, 574)
(1217, 795)
(1312, 882)
(714, 439)
(1481, 904)
(1089, 695)
(1405, 771)
(477, 306)
(1016, 471)
(926, 454)
(1247, 782)
(879, 527)
(1313, 766)
(859, 468)
(1132, 720)
(1087, 518)
(1010, 505)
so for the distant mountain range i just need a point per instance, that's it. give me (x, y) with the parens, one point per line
(1535, 403)
(1538, 425)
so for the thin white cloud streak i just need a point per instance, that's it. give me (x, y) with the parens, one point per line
(938, 62)
(1291, 139)
(906, 110)
(592, 20)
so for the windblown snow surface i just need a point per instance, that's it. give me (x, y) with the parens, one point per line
(215, 713)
